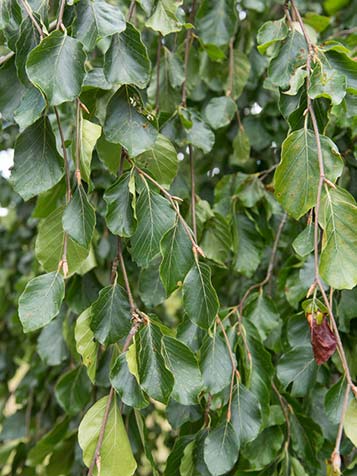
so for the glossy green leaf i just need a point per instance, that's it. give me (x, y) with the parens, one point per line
(155, 217)
(247, 245)
(241, 72)
(109, 154)
(221, 449)
(220, 111)
(299, 158)
(270, 33)
(327, 82)
(199, 296)
(79, 218)
(200, 135)
(155, 377)
(30, 108)
(217, 239)
(346, 66)
(86, 345)
(215, 364)
(338, 218)
(51, 345)
(9, 82)
(41, 301)
(350, 424)
(73, 390)
(27, 40)
(89, 134)
(262, 312)
(334, 400)
(246, 414)
(304, 242)
(241, 148)
(184, 367)
(30, 177)
(97, 19)
(151, 290)
(49, 244)
(120, 216)
(127, 61)
(125, 125)
(160, 161)
(56, 67)
(216, 21)
(164, 18)
(115, 451)
(110, 315)
(126, 385)
(298, 367)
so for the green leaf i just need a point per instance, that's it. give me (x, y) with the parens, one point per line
(115, 451)
(177, 257)
(51, 346)
(41, 301)
(200, 135)
(30, 108)
(110, 315)
(97, 19)
(56, 67)
(49, 244)
(215, 21)
(27, 40)
(30, 177)
(298, 367)
(292, 54)
(241, 148)
(258, 453)
(247, 245)
(126, 385)
(127, 61)
(109, 154)
(334, 400)
(160, 161)
(164, 18)
(338, 218)
(199, 296)
(155, 217)
(262, 312)
(86, 345)
(151, 290)
(215, 364)
(346, 66)
(327, 82)
(79, 218)
(155, 378)
(220, 111)
(126, 126)
(89, 134)
(9, 82)
(246, 414)
(304, 242)
(187, 466)
(184, 367)
(350, 424)
(217, 239)
(221, 449)
(45, 445)
(73, 390)
(270, 33)
(241, 72)
(120, 213)
(299, 159)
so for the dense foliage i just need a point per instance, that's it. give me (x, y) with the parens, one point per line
(178, 238)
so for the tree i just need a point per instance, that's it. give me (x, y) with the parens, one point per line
(178, 268)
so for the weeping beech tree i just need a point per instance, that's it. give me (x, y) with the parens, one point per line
(178, 238)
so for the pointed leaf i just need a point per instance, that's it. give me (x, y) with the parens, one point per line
(97, 19)
(164, 18)
(271, 32)
(56, 67)
(215, 364)
(262, 312)
(350, 424)
(86, 345)
(110, 315)
(221, 449)
(79, 218)
(41, 301)
(51, 346)
(199, 296)
(120, 214)
(127, 61)
(155, 217)
(155, 378)
(220, 111)
(73, 390)
(115, 451)
(299, 159)
(298, 367)
(246, 414)
(215, 21)
(89, 135)
(37, 164)
(184, 367)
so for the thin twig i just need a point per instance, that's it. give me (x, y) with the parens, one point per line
(4, 58)
(131, 10)
(231, 67)
(188, 43)
(270, 269)
(158, 63)
(234, 368)
(285, 407)
(241, 332)
(32, 18)
(78, 140)
(335, 457)
(193, 191)
(125, 276)
(60, 15)
(63, 263)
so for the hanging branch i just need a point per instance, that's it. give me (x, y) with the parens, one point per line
(60, 15)
(131, 10)
(193, 191)
(4, 58)
(285, 408)
(32, 18)
(78, 140)
(63, 263)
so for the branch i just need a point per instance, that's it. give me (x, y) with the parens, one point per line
(78, 141)
(4, 58)
(335, 457)
(63, 263)
(285, 408)
(193, 191)
(60, 15)
(31, 16)
(131, 10)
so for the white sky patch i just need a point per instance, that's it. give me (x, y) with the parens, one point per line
(256, 109)
(242, 15)
(180, 156)
(6, 161)
(4, 212)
